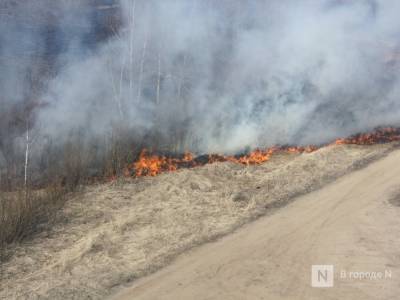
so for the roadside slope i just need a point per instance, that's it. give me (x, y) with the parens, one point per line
(352, 223)
(113, 234)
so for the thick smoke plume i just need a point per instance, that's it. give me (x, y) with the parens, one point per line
(211, 76)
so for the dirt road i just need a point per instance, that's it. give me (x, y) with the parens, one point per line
(352, 224)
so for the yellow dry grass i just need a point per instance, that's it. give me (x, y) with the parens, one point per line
(112, 234)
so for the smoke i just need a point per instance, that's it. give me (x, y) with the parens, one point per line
(220, 76)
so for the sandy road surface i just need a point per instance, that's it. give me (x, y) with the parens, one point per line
(353, 224)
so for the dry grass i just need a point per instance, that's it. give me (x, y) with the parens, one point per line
(115, 233)
(22, 213)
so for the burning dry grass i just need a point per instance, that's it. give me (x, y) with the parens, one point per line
(152, 165)
(112, 234)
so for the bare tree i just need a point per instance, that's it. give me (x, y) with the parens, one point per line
(27, 142)
(131, 47)
(158, 76)
(117, 88)
(142, 61)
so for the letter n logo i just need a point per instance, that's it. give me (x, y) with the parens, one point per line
(322, 275)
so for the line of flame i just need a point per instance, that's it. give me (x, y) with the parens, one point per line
(152, 165)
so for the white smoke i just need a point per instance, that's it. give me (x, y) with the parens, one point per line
(225, 75)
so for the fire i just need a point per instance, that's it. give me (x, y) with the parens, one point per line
(256, 157)
(381, 135)
(152, 165)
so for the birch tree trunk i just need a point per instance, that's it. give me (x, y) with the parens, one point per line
(180, 133)
(27, 141)
(182, 78)
(139, 94)
(158, 77)
(131, 50)
(117, 95)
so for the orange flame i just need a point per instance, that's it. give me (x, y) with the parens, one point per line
(152, 165)
(382, 135)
